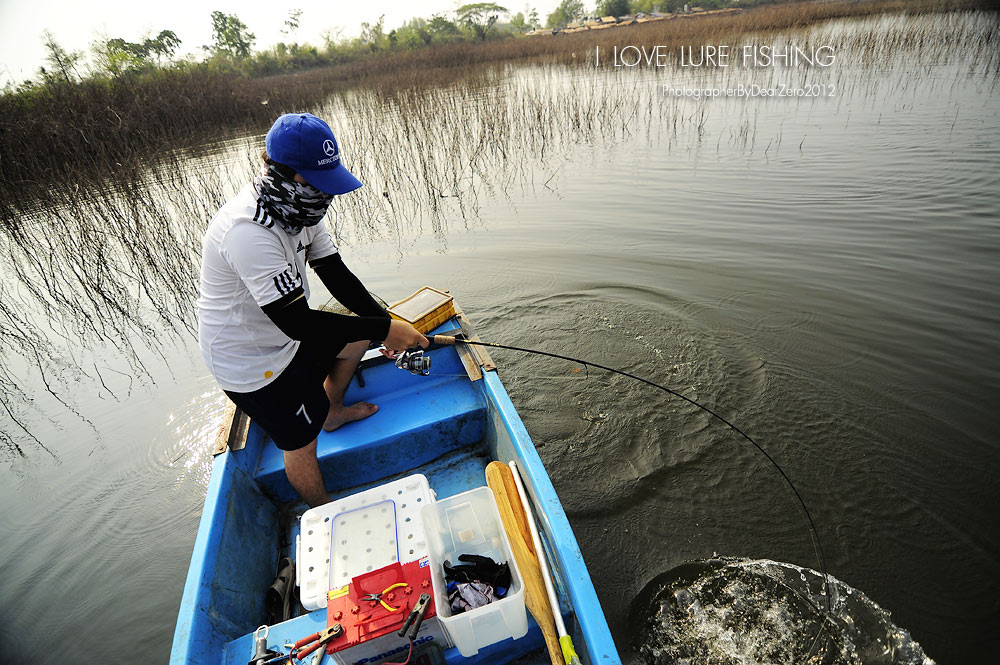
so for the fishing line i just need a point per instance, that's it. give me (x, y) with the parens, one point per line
(817, 547)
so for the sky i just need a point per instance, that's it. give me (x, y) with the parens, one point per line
(77, 24)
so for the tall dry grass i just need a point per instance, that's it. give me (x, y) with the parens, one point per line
(74, 135)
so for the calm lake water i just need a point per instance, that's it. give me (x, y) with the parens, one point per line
(820, 270)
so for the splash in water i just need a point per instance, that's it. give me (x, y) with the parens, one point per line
(756, 612)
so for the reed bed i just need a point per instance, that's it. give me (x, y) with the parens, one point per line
(95, 272)
(72, 135)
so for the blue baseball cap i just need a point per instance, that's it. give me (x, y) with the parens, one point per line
(306, 143)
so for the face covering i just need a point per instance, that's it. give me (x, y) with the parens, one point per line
(293, 205)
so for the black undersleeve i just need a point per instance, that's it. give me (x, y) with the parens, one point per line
(346, 287)
(295, 318)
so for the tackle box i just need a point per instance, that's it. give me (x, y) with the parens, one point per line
(425, 310)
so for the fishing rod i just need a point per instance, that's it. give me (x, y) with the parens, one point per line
(446, 340)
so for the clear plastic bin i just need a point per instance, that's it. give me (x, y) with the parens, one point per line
(469, 523)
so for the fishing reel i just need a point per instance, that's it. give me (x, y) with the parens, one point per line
(414, 362)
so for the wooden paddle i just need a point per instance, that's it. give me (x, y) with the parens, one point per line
(515, 523)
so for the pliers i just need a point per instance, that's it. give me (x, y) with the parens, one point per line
(321, 638)
(377, 597)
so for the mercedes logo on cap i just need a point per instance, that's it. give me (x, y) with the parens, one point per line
(329, 148)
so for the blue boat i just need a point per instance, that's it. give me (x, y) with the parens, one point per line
(446, 426)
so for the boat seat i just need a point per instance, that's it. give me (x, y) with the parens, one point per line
(419, 419)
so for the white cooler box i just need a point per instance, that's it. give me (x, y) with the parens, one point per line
(360, 533)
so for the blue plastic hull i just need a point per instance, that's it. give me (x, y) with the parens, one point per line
(443, 426)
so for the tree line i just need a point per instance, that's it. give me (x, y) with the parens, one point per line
(232, 46)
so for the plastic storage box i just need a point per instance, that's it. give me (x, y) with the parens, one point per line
(469, 523)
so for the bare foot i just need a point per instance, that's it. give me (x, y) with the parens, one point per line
(346, 414)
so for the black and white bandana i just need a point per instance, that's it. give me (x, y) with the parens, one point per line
(293, 204)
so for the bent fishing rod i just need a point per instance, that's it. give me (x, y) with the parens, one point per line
(445, 340)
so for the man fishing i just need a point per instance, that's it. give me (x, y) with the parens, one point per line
(284, 364)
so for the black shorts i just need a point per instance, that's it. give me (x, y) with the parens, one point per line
(293, 407)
